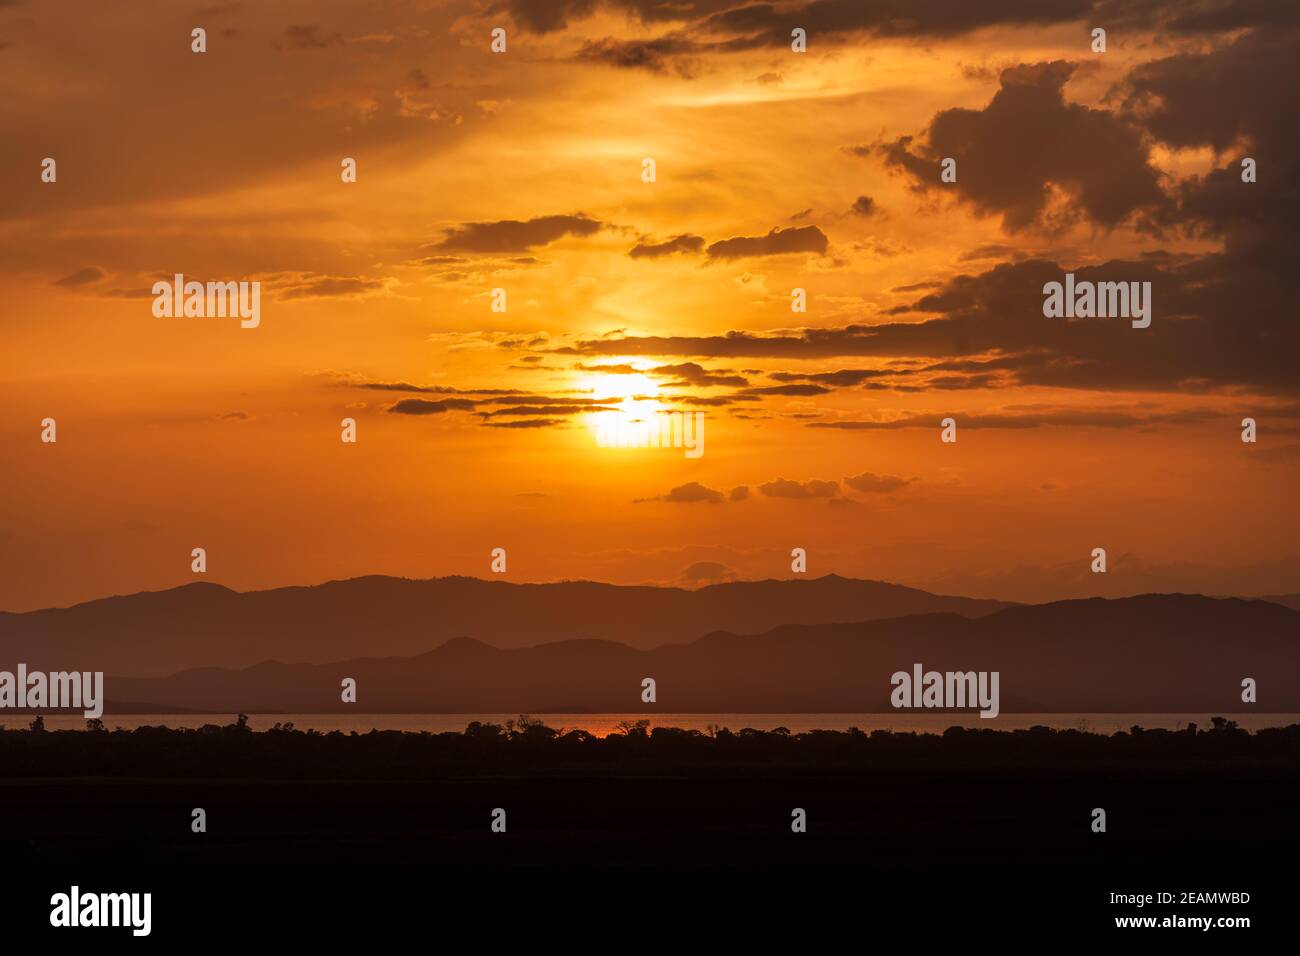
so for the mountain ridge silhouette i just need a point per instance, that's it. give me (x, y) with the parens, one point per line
(154, 633)
(1152, 653)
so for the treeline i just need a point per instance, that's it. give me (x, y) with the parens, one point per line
(528, 746)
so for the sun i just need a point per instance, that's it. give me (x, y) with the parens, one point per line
(632, 397)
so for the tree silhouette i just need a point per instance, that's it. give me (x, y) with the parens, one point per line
(639, 728)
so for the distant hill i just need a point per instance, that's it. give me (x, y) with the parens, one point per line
(1153, 653)
(160, 632)
(1286, 600)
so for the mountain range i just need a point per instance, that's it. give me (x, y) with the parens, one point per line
(160, 632)
(831, 644)
(1154, 654)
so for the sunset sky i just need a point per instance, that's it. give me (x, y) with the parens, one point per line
(775, 170)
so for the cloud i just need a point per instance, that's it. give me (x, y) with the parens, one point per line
(436, 389)
(869, 483)
(549, 409)
(323, 287)
(683, 374)
(1197, 341)
(1200, 16)
(548, 16)
(306, 37)
(527, 423)
(992, 250)
(1095, 157)
(706, 572)
(539, 410)
(1068, 417)
(709, 401)
(864, 206)
(80, 277)
(1192, 100)
(423, 406)
(740, 493)
(785, 488)
(803, 391)
(684, 243)
(769, 24)
(659, 55)
(841, 378)
(690, 493)
(692, 373)
(513, 235)
(777, 242)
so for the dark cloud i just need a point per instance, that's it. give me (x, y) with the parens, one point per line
(527, 423)
(423, 406)
(545, 409)
(660, 55)
(691, 373)
(684, 243)
(740, 493)
(710, 401)
(81, 277)
(749, 24)
(307, 37)
(436, 389)
(690, 493)
(1217, 322)
(706, 572)
(869, 483)
(513, 235)
(1241, 99)
(547, 16)
(417, 79)
(1049, 416)
(1028, 142)
(863, 206)
(590, 404)
(1197, 16)
(514, 403)
(785, 488)
(992, 250)
(841, 378)
(609, 369)
(769, 24)
(796, 390)
(777, 242)
(321, 287)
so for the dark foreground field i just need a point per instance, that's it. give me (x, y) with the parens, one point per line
(968, 798)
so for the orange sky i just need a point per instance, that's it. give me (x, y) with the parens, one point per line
(175, 433)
